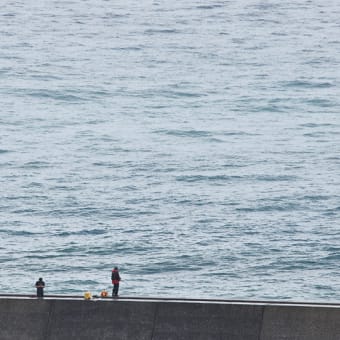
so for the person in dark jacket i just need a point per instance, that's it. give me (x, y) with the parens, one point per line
(40, 285)
(115, 277)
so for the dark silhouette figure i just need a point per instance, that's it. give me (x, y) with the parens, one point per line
(40, 285)
(115, 277)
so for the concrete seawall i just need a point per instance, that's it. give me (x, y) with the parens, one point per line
(63, 318)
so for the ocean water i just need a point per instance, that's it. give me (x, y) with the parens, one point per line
(195, 144)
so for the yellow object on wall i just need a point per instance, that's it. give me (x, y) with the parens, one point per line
(87, 296)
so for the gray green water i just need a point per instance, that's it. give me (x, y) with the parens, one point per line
(193, 144)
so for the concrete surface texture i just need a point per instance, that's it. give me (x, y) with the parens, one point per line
(62, 318)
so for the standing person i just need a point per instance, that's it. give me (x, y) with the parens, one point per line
(40, 285)
(115, 277)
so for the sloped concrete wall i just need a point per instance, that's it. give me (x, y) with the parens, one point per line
(90, 320)
(201, 321)
(23, 319)
(301, 323)
(59, 319)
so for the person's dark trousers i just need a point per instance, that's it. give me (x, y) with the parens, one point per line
(40, 292)
(115, 289)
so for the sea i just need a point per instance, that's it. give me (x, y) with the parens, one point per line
(193, 144)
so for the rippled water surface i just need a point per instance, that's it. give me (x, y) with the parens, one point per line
(193, 144)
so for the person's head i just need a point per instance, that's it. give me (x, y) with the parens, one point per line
(40, 278)
(115, 268)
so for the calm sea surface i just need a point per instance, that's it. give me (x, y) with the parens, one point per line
(195, 144)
